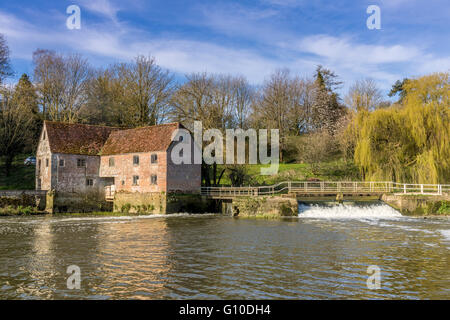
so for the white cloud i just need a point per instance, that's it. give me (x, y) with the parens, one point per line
(102, 7)
(434, 65)
(348, 57)
(285, 3)
(343, 50)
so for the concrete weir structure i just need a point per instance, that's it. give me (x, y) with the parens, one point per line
(282, 199)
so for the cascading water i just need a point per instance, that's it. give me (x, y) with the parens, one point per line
(347, 210)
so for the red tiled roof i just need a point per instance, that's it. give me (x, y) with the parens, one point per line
(77, 138)
(146, 139)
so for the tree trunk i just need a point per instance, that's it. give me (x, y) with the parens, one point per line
(8, 164)
(205, 174)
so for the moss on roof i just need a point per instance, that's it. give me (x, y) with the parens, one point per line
(145, 139)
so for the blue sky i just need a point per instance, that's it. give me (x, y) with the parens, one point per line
(252, 38)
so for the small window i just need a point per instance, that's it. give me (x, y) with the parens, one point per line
(181, 152)
(135, 180)
(46, 162)
(111, 162)
(154, 158)
(136, 160)
(154, 179)
(89, 182)
(61, 162)
(39, 164)
(123, 182)
(81, 163)
(43, 136)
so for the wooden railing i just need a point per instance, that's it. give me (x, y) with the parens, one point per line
(327, 187)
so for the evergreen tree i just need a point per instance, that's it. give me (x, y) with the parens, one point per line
(326, 109)
(26, 99)
(399, 88)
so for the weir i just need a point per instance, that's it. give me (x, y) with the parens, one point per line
(281, 199)
(346, 210)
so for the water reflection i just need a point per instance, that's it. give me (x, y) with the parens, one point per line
(224, 258)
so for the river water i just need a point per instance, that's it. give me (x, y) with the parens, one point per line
(323, 253)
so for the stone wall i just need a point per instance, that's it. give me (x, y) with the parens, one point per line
(62, 202)
(263, 206)
(416, 204)
(124, 169)
(72, 179)
(142, 203)
(24, 198)
(43, 163)
(162, 203)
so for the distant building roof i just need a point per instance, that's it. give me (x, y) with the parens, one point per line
(77, 138)
(146, 139)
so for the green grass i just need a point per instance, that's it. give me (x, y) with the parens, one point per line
(336, 170)
(94, 214)
(18, 211)
(444, 208)
(21, 177)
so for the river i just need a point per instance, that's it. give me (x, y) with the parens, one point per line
(323, 253)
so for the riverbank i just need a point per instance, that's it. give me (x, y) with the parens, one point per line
(19, 211)
(419, 205)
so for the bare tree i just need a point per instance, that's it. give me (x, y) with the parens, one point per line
(49, 80)
(77, 73)
(197, 100)
(364, 95)
(283, 103)
(218, 101)
(149, 88)
(244, 95)
(5, 66)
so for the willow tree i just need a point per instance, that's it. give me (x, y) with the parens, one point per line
(409, 142)
(427, 113)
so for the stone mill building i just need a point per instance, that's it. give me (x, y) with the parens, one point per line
(96, 168)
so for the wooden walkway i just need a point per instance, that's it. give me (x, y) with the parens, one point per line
(326, 188)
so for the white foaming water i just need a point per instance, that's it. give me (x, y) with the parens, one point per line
(348, 211)
(104, 219)
(446, 234)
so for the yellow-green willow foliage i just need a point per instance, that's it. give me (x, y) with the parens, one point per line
(407, 143)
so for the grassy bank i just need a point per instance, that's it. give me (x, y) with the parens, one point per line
(335, 170)
(19, 211)
(94, 214)
(21, 177)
